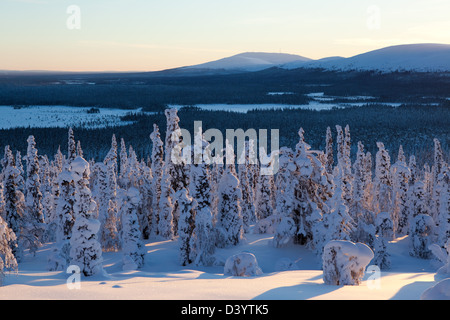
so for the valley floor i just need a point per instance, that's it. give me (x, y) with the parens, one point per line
(163, 279)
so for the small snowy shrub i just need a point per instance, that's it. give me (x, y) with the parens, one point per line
(344, 262)
(242, 265)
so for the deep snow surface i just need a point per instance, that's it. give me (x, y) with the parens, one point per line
(163, 279)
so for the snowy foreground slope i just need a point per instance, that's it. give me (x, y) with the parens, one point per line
(163, 279)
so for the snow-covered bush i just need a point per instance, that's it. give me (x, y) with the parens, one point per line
(344, 262)
(443, 256)
(267, 225)
(440, 291)
(242, 265)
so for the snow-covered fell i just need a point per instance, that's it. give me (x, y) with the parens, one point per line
(250, 61)
(412, 57)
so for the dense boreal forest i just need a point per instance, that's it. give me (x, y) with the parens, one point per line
(413, 127)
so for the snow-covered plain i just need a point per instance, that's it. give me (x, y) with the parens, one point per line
(60, 117)
(162, 277)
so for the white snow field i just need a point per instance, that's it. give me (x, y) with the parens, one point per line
(162, 278)
(60, 117)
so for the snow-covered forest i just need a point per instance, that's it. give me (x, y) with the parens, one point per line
(85, 209)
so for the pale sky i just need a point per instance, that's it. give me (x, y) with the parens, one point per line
(149, 35)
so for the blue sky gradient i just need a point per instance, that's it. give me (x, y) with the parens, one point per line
(147, 35)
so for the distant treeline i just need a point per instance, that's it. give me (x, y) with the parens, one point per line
(153, 91)
(414, 127)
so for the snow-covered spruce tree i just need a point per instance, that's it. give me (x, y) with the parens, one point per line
(20, 177)
(186, 226)
(338, 221)
(133, 248)
(111, 156)
(79, 149)
(309, 190)
(383, 181)
(202, 241)
(2, 199)
(412, 165)
(145, 209)
(247, 204)
(284, 201)
(438, 167)
(8, 261)
(400, 181)
(329, 151)
(107, 206)
(421, 224)
(14, 203)
(264, 195)
(59, 258)
(229, 225)
(157, 164)
(34, 217)
(173, 158)
(86, 251)
(384, 233)
(422, 236)
(123, 163)
(253, 166)
(166, 208)
(360, 210)
(71, 147)
(443, 189)
(344, 162)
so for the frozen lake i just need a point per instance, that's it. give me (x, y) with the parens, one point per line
(60, 117)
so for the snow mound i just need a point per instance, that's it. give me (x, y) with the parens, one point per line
(441, 291)
(242, 265)
(344, 262)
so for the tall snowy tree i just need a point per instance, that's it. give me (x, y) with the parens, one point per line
(111, 157)
(344, 162)
(283, 199)
(86, 251)
(71, 146)
(34, 216)
(145, 209)
(186, 226)
(383, 180)
(438, 168)
(329, 151)
(157, 172)
(264, 195)
(107, 206)
(166, 208)
(309, 190)
(400, 174)
(360, 211)
(8, 261)
(229, 223)
(443, 211)
(247, 205)
(340, 223)
(133, 248)
(59, 259)
(14, 203)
